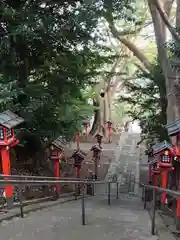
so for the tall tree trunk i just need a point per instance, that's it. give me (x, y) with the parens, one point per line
(95, 125)
(171, 77)
(160, 33)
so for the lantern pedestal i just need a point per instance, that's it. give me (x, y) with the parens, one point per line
(99, 137)
(164, 172)
(6, 167)
(57, 175)
(78, 190)
(56, 157)
(96, 156)
(78, 157)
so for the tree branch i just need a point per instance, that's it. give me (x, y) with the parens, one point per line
(141, 68)
(132, 32)
(165, 19)
(132, 47)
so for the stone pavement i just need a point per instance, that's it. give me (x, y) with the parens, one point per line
(123, 220)
(126, 161)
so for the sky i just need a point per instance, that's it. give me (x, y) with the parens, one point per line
(134, 127)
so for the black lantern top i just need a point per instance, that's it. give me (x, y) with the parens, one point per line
(109, 123)
(78, 156)
(99, 135)
(60, 143)
(9, 119)
(81, 154)
(96, 148)
(173, 128)
(159, 147)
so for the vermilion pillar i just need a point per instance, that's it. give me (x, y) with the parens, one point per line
(6, 167)
(178, 211)
(163, 184)
(57, 174)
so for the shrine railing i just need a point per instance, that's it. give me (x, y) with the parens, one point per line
(150, 195)
(33, 193)
(82, 185)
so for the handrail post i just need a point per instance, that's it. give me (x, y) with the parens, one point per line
(153, 212)
(83, 206)
(109, 193)
(117, 190)
(21, 201)
(75, 192)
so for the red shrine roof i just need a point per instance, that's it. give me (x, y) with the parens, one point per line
(9, 119)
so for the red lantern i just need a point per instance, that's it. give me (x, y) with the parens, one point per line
(78, 157)
(86, 124)
(57, 154)
(8, 121)
(156, 169)
(99, 137)
(96, 156)
(174, 131)
(166, 159)
(164, 152)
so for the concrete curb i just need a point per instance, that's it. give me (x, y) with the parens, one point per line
(15, 212)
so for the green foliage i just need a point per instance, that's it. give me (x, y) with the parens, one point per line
(47, 56)
(148, 101)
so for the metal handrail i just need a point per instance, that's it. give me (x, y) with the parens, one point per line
(34, 177)
(45, 182)
(25, 182)
(159, 189)
(155, 191)
(21, 183)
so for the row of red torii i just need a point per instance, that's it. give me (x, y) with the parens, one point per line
(9, 120)
(163, 158)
